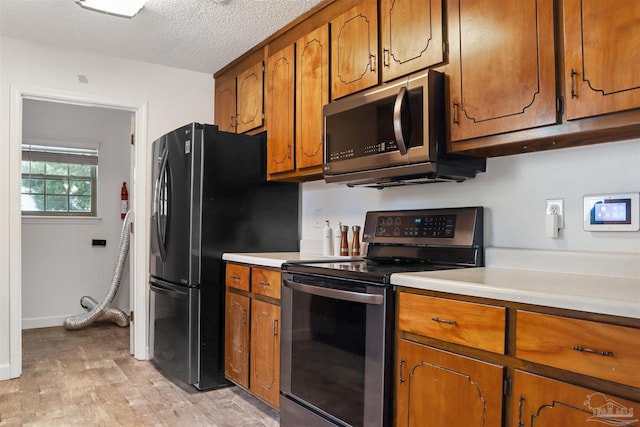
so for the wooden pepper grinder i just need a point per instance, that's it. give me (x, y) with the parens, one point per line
(344, 241)
(355, 243)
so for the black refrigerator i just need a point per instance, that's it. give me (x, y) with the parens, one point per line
(210, 196)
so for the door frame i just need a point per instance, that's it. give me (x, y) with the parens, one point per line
(139, 264)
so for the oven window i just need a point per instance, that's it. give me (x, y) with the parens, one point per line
(328, 355)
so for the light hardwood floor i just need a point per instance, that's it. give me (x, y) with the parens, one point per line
(87, 377)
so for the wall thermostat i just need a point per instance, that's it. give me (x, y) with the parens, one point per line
(611, 212)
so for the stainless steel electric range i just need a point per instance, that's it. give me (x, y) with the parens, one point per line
(338, 317)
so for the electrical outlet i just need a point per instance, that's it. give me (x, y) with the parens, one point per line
(556, 206)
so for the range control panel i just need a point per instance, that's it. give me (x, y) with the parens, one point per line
(442, 227)
(435, 226)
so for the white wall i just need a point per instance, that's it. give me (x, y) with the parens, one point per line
(513, 190)
(59, 265)
(171, 97)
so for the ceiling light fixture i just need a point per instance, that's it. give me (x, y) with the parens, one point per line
(124, 8)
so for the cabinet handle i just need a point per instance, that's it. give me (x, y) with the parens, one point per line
(402, 362)
(573, 88)
(588, 350)
(244, 317)
(385, 57)
(235, 277)
(289, 151)
(520, 423)
(455, 113)
(372, 63)
(263, 283)
(275, 327)
(448, 322)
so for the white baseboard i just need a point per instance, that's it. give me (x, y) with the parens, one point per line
(5, 372)
(43, 322)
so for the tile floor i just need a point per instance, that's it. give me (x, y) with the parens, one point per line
(87, 377)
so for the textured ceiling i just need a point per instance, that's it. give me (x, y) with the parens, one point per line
(198, 35)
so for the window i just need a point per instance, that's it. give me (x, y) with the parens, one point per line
(59, 181)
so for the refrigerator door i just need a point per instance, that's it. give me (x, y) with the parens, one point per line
(176, 206)
(174, 330)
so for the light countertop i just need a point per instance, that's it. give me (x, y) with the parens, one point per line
(618, 296)
(274, 259)
(592, 282)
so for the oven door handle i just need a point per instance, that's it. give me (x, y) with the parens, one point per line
(351, 296)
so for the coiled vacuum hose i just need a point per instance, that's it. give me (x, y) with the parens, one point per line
(104, 311)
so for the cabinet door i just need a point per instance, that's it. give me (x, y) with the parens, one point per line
(312, 71)
(602, 56)
(354, 49)
(237, 339)
(250, 93)
(446, 389)
(280, 101)
(502, 66)
(225, 106)
(265, 351)
(542, 402)
(411, 36)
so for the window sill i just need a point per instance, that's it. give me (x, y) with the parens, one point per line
(74, 220)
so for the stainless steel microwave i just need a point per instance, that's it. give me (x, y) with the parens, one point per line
(393, 134)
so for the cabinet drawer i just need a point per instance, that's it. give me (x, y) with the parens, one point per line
(237, 276)
(592, 348)
(471, 324)
(266, 282)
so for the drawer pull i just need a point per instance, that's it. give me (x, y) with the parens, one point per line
(588, 350)
(263, 283)
(235, 277)
(448, 322)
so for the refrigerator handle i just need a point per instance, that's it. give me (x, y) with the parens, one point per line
(156, 203)
(169, 291)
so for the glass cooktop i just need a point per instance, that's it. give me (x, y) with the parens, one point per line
(363, 270)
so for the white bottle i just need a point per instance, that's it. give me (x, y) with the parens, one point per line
(336, 239)
(327, 240)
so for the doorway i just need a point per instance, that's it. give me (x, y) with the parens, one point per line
(70, 241)
(138, 182)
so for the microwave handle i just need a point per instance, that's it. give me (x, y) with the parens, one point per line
(401, 100)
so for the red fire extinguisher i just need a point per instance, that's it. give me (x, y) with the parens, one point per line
(124, 200)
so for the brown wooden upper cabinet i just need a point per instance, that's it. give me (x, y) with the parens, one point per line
(225, 105)
(239, 102)
(250, 96)
(312, 93)
(280, 100)
(602, 57)
(297, 89)
(354, 49)
(411, 35)
(502, 66)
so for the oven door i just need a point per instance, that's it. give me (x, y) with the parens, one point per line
(336, 350)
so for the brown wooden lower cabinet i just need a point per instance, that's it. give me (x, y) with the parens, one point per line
(559, 368)
(443, 389)
(236, 349)
(265, 351)
(543, 402)
(252, 330)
